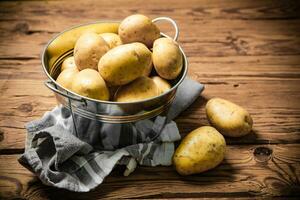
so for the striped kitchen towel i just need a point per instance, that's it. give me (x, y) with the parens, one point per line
(81, 163)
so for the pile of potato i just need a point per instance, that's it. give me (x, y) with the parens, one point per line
(117, 67)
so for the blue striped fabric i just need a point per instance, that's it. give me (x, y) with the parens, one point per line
(80, 164)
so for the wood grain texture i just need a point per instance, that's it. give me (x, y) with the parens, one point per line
(240, 175)
(245, 51)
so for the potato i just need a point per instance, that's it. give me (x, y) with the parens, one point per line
(65, 41)
(65, 78)
(124, 63)
(163, 85)
(111, 39)
(201, 150)
(138, 28)
(68, 63)
(148, 59)
(229, 118)
(148, 69)
(89, 83)
(141, 88)
(167, 58)
(89, 48)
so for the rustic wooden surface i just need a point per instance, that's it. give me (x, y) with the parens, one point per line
(244, 51)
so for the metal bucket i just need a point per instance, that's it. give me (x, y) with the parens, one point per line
(106, 111)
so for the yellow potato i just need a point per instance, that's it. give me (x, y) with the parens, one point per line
(65, 78)
(138, 28)
(167, 58)
(111, 39)
(68, 63)
(141, 88)
(67, 39)
(146, 57)
(201, 150)
(163, 85)
(89, 83)
(148, 69)
(89, 48)
(229, 118)
(124, 63)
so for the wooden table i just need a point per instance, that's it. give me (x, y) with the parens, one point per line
(245, 51)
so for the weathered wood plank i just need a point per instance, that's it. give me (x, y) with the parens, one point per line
(240, 175)
(213, 38)
(244, 51)
(225, 30)
(241, 9)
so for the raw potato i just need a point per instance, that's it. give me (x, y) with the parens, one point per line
(68, 63)
(163, 85)
(229, 118)
(66, 40)
(65, 78)
(148, 60)
(201, 150)
(124, 63)
(138, 28)
(141, 88)
(167, 58)
(89, 83)
(148, 69)
(89, 48)
(111, 39)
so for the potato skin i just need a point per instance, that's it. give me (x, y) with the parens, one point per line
(89, 83)
(141, 88)
(138, 28)
(167, 58)
(66, 77)
(68, 63)
(124, 63)
(229, 118)
(111, 39)
(88, 50)
(147, 57)
(148, 69)
(201, 150)
(163, 85)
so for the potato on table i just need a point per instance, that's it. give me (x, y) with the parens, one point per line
(141, 88)
(201, 150)
(229, 118)
(124, 63)
(89, 83)
(138, 28)
(167, 58)
(88, 50)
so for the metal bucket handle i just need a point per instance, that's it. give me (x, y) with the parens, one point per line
(172, 22)
(51, 86)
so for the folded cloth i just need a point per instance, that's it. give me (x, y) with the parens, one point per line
(81, 163)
